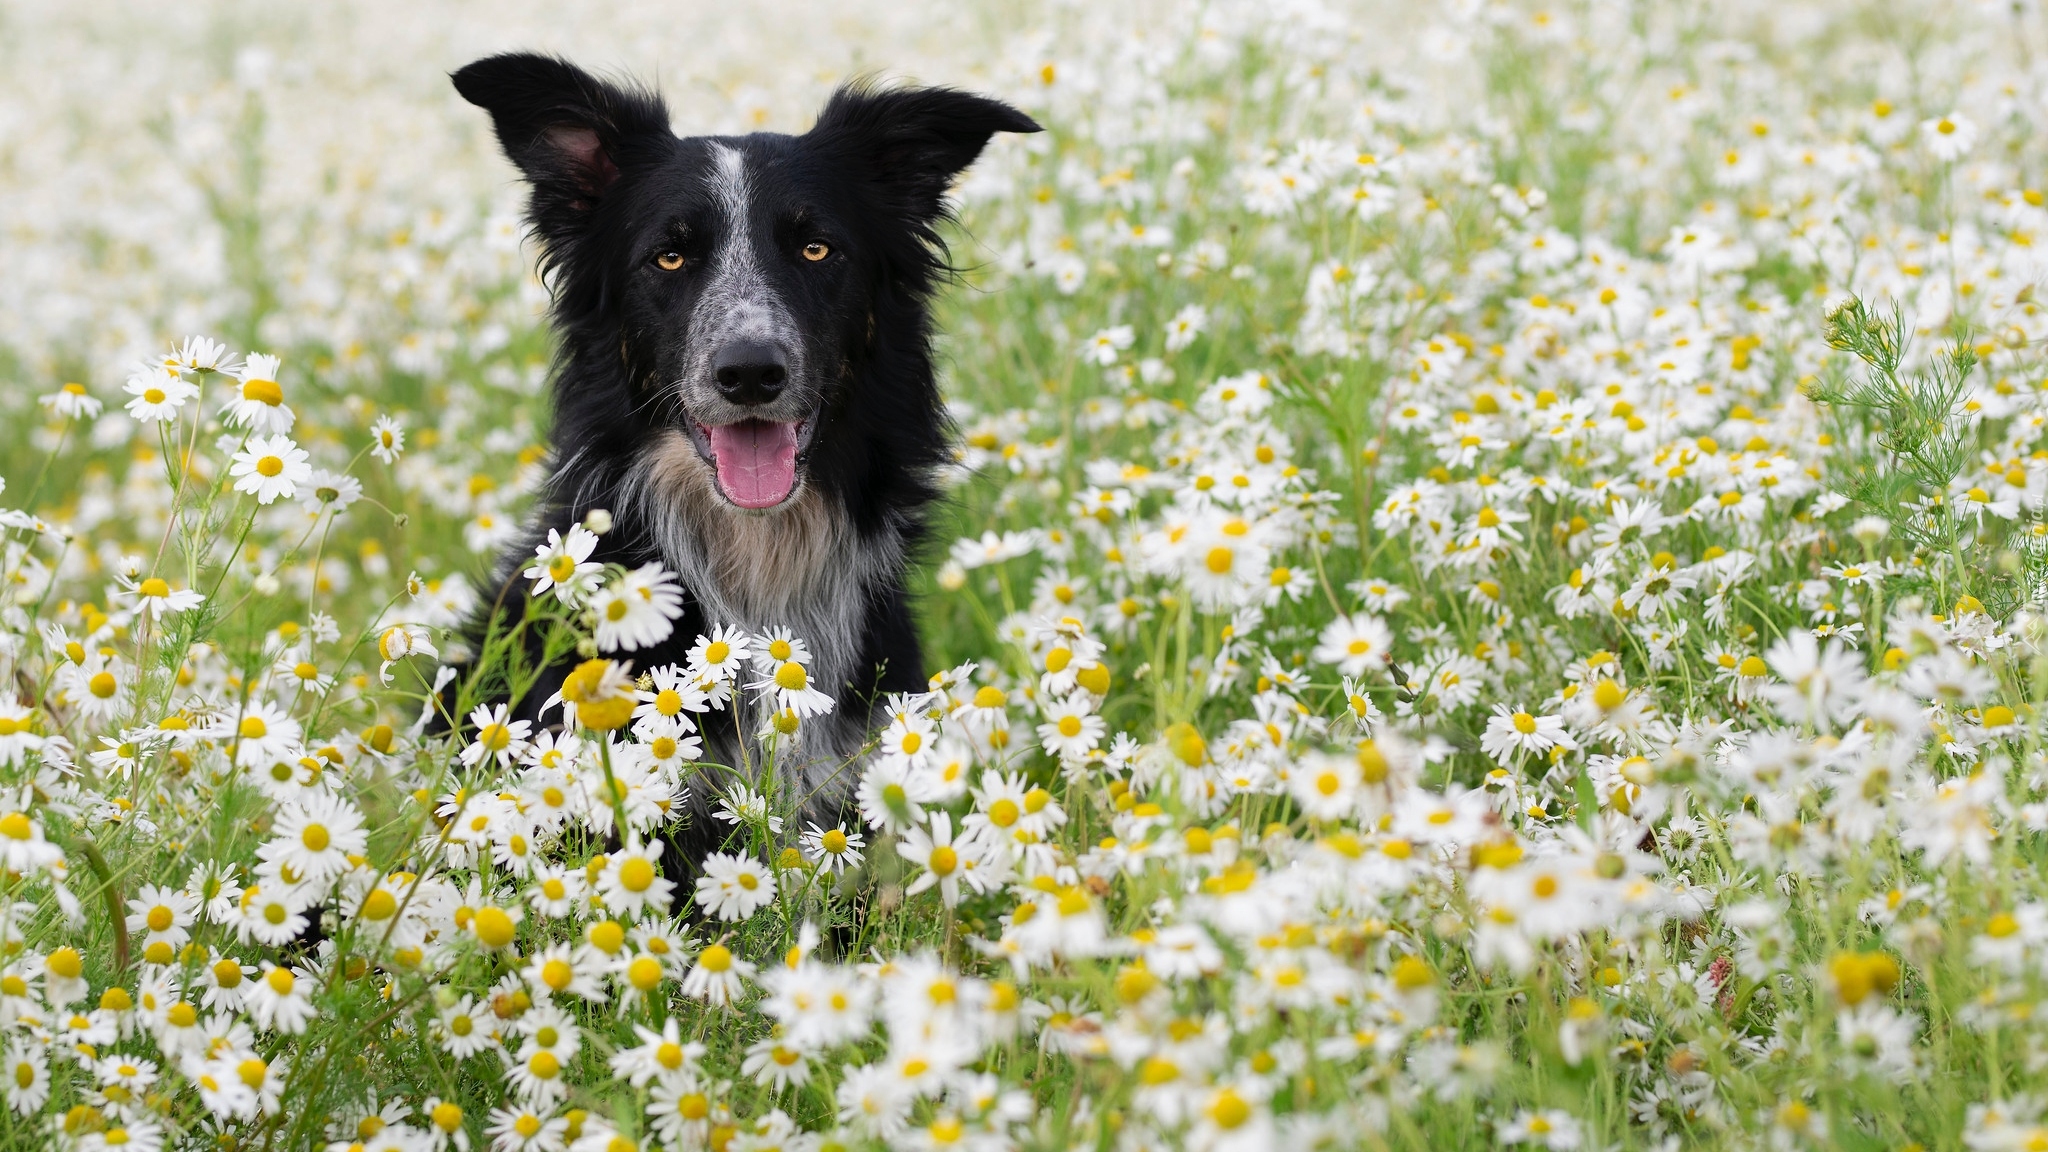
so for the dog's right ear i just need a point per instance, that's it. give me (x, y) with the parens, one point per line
(568, 131)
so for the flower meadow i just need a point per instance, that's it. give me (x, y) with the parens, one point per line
(1494, 591)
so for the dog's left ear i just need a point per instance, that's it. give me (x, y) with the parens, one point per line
(910, 143)
(569, 132)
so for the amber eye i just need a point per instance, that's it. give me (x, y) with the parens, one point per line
(816, 250)
(669, 261)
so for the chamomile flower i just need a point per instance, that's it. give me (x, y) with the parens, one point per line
(1511, 733)
(637, 610)
(734, 887)
(271, 914)
(556, 891)
(399, 641)
(833, 850)
(125, 1136)
(25, 1077)
(1550, 1128)
(740, 806)
(563, 565)
(788, 688)
(718, 977)
(1071, 728)
(258, 403)
(161, 915)
(315, 837)
(279, 998)
(892, 795)
(270, 467)
(671, 694)
(153, 596)
(722, 655)
(387, 439)
(1185, 326)
(157, 394)
(945, 861)
(527, 1127)
(462, 1029)
(1949, 138)
(558, 970)
(216, 888)
(658, 1056)
(72, 402)
(631, 882)
(499, 738)
(262, 735)
(1355, 644)
(776, 1064)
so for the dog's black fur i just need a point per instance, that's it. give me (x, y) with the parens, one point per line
(754, 330)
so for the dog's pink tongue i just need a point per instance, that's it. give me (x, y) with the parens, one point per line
(756, 462)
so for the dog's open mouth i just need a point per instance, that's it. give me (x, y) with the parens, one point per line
(755, 459)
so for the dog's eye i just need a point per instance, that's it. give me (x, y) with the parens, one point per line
(669, 261)
(816, 250)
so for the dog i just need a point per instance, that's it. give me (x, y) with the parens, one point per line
(744, 376)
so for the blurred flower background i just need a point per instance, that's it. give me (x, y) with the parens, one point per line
(1492, 592)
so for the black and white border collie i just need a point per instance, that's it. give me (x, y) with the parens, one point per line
(744, 375)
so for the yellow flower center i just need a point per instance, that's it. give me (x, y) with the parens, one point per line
(636, 874)
(1607, 695)
(1228, 1110)
(644, 973)
(557, 974)
(493, 927)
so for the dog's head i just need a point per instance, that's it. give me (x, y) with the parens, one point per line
(736, 279)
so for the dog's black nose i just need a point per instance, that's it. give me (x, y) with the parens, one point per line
(750, 371)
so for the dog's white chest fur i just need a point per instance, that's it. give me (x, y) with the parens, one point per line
(801, 565)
